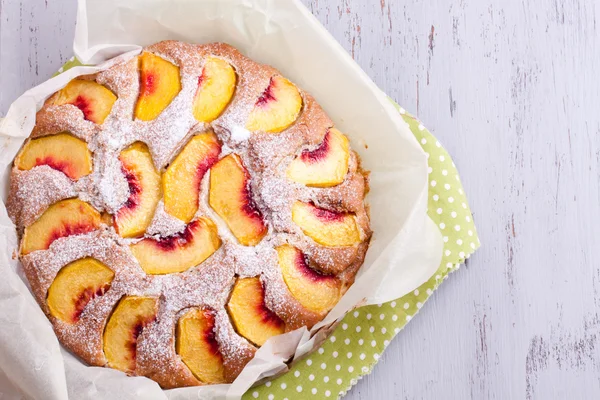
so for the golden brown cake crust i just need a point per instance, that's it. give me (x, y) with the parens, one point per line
(209, 284)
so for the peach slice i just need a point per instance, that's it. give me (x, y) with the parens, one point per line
(93, 99)
(181, 181)
(179, 252)
(136, 214)
(249, 313)
(215, 89)
(230, 197)
(75, 285)
(65, 218)
(328, 228)
(324, 166)
(314, 290)
(277, 108)
(159, 85)
(126, 323)
(107, 219)
(198, 347)
(62, 152)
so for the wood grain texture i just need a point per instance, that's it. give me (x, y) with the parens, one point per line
(512, 89)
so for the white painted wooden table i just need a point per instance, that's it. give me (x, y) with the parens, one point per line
(512, 89)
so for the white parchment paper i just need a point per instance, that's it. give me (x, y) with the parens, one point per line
(406, 247)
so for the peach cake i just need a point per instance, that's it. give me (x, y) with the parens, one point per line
(178, 209)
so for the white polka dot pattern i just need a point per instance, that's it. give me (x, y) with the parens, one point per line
(367, 331)
(360, 339)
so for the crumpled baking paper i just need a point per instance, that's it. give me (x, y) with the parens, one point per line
(406, 246)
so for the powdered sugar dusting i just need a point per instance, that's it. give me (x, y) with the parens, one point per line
(209, 284)
(35, 190)
(164, 224)
(113, 189)
(239, 134)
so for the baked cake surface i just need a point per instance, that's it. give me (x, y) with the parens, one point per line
(177, 210)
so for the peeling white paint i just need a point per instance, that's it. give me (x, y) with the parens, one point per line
(512, 88)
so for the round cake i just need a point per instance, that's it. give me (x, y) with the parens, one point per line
(178, 209)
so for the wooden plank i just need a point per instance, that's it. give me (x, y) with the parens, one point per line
(511, 88)
(36, 38)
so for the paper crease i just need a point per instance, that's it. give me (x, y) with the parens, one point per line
(406, 247)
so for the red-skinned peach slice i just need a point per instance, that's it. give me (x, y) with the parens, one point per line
(93, 99)
(249, 313)
(328, 228)
(179, 252)
(126, 323)
(65, 218)
(314, 290)
(136, 214)
(198, 347)
(159, 85)
(216, 86)
(181, 181)
(75, 285)
(277, 108)
(325, 166)
(230, 197)
(62, 152)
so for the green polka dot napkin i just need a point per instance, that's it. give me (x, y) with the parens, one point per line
(356, 344)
